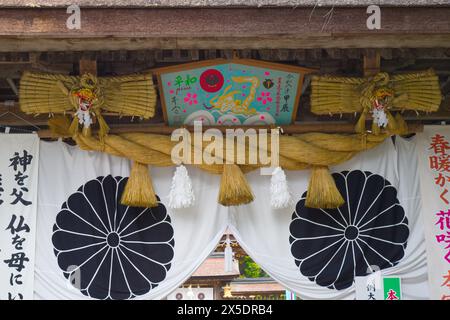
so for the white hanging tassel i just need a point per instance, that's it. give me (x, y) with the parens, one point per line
(181, 193)
(280, 197)
(380, 117)
(228, 255)
(84, 117)
(379, 114)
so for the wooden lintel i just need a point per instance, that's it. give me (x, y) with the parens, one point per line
(222, 28)
(289, 129)
(326, 41)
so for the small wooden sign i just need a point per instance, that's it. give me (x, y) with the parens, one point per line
(230, 92)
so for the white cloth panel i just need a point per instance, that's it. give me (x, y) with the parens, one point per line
(197, 230)
(264, 232)
(19, 159)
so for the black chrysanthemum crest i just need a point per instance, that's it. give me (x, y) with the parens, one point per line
(332, 246)
(112, 251)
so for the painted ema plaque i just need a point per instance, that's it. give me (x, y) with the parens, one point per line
(230, 92)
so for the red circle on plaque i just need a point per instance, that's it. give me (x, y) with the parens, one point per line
(211, 80)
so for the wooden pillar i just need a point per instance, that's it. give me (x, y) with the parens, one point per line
(88, 66)
(372, 62)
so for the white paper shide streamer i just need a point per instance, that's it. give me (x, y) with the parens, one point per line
(228, 255)
(280, 196)
(181, 193)
(380, 117)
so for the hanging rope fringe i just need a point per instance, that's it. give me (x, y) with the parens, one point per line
(402, 126)
(86, 131)
(360, 126)
(181, 193)
(234, 188)
(322, 190)
(228, 251)
(375, 128)
(392, 124)
(103, 128)
(59, 126)
(280, 197)
(73, 129)
(139, 190)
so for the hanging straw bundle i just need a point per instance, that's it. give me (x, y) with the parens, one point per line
(139, 190)
(234, 188)
(45, 93)
(132, 95)
(414, 91)
(418, 91)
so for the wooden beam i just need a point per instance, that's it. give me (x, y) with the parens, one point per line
(371, 63)
(88, 66)
(325, 41)
(327, 127)
(126, 22)
(224, 28)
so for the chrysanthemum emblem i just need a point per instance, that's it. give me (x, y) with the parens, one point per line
(332, 246)
(108, 250)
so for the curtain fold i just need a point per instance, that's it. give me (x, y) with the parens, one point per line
(146, 255)
(291, 244)
(160, 249)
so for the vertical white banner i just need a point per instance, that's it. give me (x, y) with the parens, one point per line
(18, 192)
(369, 287)
(434, 162)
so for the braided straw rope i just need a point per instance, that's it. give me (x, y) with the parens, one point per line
(314, 151)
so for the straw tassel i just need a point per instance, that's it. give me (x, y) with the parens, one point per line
(402, 126)
(375, 128)
(73, 129)
(234, 188)
(181, 193)
(392, 124)
(322, 190)
(280, 196)
(59, 126)
(86, 131)
(139, 190)
(102, 125)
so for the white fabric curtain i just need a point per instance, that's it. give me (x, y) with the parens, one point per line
(264, 232)
(196, 231)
